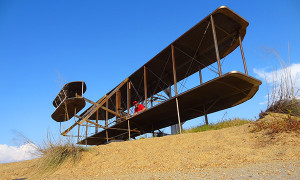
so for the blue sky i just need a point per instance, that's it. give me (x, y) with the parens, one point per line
(44, 44)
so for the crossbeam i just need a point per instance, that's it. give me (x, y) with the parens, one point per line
(81, 121)
(102, 107)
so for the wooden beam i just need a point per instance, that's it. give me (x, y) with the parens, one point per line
(96, 124)
(86, 130)
(145, 86)
(128, 98)
(118, 103)
(94, 104)
(175, 86)
(178, 115)
(174, 69)
(78, 133)
(200, 76)
(216, 44)
(97, 117)
(106, 109)
(106, 121)
(96, 107)
(243, 56)
(205, 115)
(133, 130)
(113, 112)
(128, 108)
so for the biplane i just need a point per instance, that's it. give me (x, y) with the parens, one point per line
(155, 85)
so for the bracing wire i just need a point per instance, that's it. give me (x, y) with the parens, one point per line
(185, 79)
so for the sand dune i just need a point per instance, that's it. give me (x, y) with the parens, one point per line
(229, 153)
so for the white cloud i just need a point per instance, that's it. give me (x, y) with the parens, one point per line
(277, 75)
(14, 153)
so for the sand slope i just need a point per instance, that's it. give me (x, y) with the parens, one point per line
(229, 153)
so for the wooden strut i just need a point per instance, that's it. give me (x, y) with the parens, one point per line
(78, 133)
(106, 121)
(243, 56)
(201, 53)
(98, 125)
(118, 104)
(97, 117)
(89, 114)
(174, 70)
(175, 86)
(104, 108)
(205, 115)
(66, 110)
(128, 108)
(75, 121)
(200, 76)
(205, 110)
(86, 130)
(145, 86)
(216, 44)
(178, 115)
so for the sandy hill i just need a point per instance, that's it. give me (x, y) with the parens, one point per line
(227, 153)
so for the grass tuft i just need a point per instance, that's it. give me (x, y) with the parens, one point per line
(277, 123)
(53, 153)
(284, 106)
(283, 97)
(219, 125)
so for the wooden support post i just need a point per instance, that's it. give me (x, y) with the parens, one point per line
(66, 110)
(174, 70)
(129, 136)
(243, 56)
(106, 121)
(145, 85)
(118, 102)
(216, 44)
(86, 131)
(153, 134)
(78, 133)
(128, 99)
(178, 115)
(200, 76)
(128, 107)
(175, 86)
(205, 115)
(97, 117)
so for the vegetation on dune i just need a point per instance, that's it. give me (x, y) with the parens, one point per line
(219, 125)
(53, 153)
(277, 123)
(289, 106)
(283, 97)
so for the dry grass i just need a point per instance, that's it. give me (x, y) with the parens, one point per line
(219, 125)
(285, 106)
(283, 95)
(56, 153)
(53, 153)
(276, 123)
